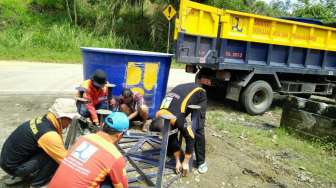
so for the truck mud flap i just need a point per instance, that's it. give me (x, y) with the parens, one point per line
(233, 92)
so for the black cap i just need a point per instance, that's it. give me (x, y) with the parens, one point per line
(99, 78)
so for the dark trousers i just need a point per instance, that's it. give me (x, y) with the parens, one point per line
(200, 136)
(107, 183)
(199, 144)
(83, 111)
(39, 169)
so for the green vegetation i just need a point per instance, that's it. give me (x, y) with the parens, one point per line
(53, 30)
(30, 31)
(58, 43)
(323, 10)
(316, 157)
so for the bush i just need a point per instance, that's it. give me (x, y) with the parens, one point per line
(56, 40)
(48, 4)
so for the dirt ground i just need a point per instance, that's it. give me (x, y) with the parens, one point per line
(231, 163)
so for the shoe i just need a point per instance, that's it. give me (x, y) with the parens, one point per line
(203, 168)
(12, 180)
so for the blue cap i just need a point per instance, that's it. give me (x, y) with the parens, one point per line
(117, 121)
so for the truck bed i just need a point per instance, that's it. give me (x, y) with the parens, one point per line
(224, 39)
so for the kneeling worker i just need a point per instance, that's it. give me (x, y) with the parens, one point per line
(176, 103)
(94, 160)
(35, 148)
(133, 104)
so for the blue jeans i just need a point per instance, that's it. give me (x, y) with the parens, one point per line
(83, 111)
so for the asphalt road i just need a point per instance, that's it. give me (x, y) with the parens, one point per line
(22, 78)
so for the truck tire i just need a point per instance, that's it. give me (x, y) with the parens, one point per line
(257, 97)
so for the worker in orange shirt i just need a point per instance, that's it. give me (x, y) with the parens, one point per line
(94, 160)
(96, 94)
(34, 150)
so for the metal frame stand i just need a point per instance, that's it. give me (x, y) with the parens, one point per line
(74, 129)
(150, 158)
(131, 146)
(194, 124)
(163, 152)
(110, 95)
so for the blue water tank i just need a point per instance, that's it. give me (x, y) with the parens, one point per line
(143, 72)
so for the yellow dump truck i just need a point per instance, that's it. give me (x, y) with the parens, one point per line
(248, 57)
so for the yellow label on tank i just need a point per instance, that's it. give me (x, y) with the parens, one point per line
(138, 90)
(150, 75)
(142, 78)
(133, 74)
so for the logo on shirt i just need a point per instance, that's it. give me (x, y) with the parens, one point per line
(166, 102)
(84, 151)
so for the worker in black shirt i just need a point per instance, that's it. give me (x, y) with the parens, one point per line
(176, 103)
(35, 148)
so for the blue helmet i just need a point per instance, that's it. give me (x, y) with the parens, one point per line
(117, 121)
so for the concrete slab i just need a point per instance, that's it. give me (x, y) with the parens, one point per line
(22, 78)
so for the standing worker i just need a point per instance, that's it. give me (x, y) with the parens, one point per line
(35, 148)
(96, 94)
(132, 104)
(176, 103)
(94, 160)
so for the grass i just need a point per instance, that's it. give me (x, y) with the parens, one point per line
(58, 43)
(49, 37)
(316, 157)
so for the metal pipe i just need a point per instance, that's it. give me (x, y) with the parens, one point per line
(129, 159)
(194, 124)
(110, 96)
(163, 153)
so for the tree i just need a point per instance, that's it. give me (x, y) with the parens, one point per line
(323, 11)
(280, 7)
(67, 5)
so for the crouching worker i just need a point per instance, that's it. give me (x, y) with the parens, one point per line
(35, 148)
(94, 160)
(96, 94)
(176, 103)
(133, 104)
